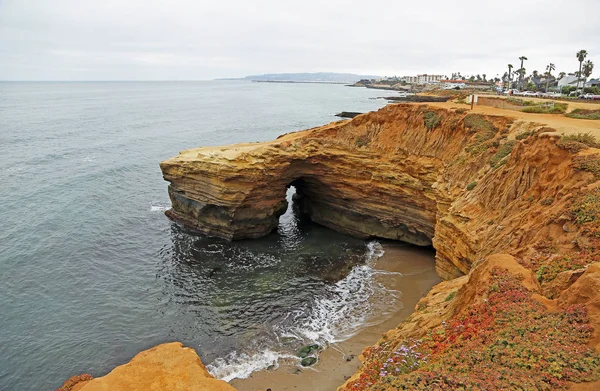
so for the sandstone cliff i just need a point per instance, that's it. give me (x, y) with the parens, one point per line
(407, 172)
(168, 366)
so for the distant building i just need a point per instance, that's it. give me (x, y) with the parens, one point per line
(452, 84)
(423, 79)
(568, 80)
(593, 83)
(478, 85)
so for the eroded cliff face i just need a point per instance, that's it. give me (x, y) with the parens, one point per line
(406, 172)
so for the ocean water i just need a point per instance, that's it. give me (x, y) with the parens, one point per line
(91, 270)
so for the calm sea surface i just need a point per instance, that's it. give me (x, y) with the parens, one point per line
(92, 272)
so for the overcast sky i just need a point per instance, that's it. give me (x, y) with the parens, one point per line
(206, 39)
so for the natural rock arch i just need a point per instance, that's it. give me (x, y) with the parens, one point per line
(389, 175)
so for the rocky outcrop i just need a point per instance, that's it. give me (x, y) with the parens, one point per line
(168, 366)
(406, 172)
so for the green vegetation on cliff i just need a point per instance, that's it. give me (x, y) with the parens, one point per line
(507, 341)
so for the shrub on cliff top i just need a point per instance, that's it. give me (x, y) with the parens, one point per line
(508, 341)
(583, 138)
(546, 108)
(584, 114)
(431, 120)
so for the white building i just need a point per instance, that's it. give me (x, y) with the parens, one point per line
(452, 84)
(430, 79)
(568, 80)
(423, 79)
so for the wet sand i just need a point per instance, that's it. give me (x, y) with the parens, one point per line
(337, 363)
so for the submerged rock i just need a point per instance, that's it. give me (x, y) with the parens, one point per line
(307, 350)
(308, 361)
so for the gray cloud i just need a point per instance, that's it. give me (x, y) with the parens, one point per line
(205, 39)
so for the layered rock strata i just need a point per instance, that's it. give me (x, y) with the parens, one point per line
(406, 172)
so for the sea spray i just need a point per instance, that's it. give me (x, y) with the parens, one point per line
(343, 310)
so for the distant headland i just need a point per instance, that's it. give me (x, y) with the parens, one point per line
(317, 77)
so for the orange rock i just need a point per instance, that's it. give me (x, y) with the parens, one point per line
(165, 367)
(386, 174)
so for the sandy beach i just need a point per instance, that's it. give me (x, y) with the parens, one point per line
(337, 363)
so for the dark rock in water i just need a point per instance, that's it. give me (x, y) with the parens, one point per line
(308, 361)
(347, 114)
(307, 350)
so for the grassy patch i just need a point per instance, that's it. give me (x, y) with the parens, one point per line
(552, 267)
(546, 108)
(504, 150)
(586, 207)
(471, 186)
(478, 123)
(584, 114)
(484, 131)
(450, 296)
(461, 111)
(584, 138)
(590, 163)
(431, 120)
(507, 342)
(577, 142)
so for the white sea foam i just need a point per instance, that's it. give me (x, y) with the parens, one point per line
(346, 308)
(242, 365)
(158, 207)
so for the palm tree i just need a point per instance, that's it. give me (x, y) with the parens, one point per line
(510, 67)
(521, 72)
(588, 67)
(561, 75)
(581, 55)
(522, 58)
(484, 77)
(549, 68)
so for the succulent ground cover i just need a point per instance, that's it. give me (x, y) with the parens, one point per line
(507, 341)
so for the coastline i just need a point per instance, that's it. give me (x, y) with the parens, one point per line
(340, 361)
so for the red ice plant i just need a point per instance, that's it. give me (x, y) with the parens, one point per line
(507, 341)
